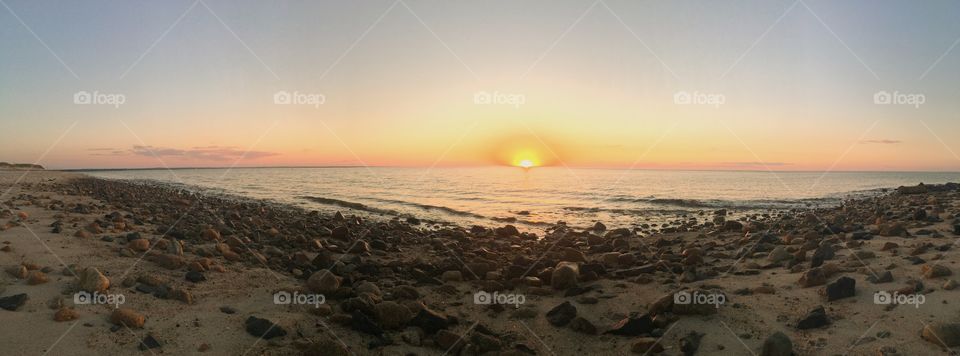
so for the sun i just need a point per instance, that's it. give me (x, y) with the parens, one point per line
(525, 163)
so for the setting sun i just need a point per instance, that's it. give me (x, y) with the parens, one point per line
(526, 163)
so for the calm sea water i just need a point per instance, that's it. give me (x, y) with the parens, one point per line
(535, 197)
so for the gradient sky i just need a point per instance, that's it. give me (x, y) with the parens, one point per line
(798, 80)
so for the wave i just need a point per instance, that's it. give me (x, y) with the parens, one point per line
(351, 205)
(444, 209)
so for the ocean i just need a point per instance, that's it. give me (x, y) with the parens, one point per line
(538, 197)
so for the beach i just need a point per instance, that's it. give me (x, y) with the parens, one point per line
(161, 269)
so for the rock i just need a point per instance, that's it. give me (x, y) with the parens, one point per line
(37, 277)
(599, 227)
(565, 275)
(950, 285)
(359, 321)
(18, 271)
(841, 288)
(149, 342)
(140, 245)
(430, 321)
(883, 277)
(341, 233)
(507, 231)
(326, 347)
(813, 277)
(449, 341)
(210, 234)
(944, 334)
(91, 280)
(83, 234)
(195, 277)
(690, 343)
(65, 314)
(393, 315)
(13, 302)
(731, 225)
(632, 326)
(581, 325)
(821, 254)
(324, 282)
(646, 345)
(486, 343)
(935, 271)
(562, 314)
(893, 229)
(814, 319)
(779, 254)
(777, 344)
(573, 255)
(452, 276)
(263, 328)
(127, 317)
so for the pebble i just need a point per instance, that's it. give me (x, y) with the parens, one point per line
(91, 280)
(814, 319)
(13, 302)
(945, 334)
(562, 314)
(843, 287)
(582, 325)
(127, 317)
(324, 282)
(263, 328)
(935, 271)
(565, 275)
(37, 277)
(777, 344)
(646, 345)
(65, 314)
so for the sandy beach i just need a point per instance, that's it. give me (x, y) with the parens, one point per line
(214, 275)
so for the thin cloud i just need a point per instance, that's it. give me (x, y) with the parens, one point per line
(757, 164)
(206, 153)
(884, 141)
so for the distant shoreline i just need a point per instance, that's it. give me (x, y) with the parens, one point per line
(423, 167)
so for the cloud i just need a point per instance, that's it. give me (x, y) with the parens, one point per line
(205, 153)
(757, 164)
(884, 141)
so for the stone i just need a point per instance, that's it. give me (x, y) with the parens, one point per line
(843, 287)
(359, 321)
(944, 334)
(148, 342)
(562, 314)
(646, 346)
(935, 271)
(779, 254)
(485, 342)
(195, 277)
(65, 314)
(632, 326)
(565, 275)
(690, 343)
(91, 280)
(452, 276)
(581, 325)
(37, 277)
(141, 245)
(813, 277)
(340, 233)
(814, 319)
(448, 340)
(430, 321)
(326, 347)
(18, 271)
(210, 234)
(777, 344)
(324, 282)
(263, 328)
(883, 277)
(950, 285)
(13, 302)
(393, 315)
(127, 317)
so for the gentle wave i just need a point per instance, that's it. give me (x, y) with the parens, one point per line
(351, 205)
(445, 209)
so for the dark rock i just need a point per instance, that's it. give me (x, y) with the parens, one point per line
(562, 314)
(814, 319)
(777, 344)
(944, 334)
(883, 277)
(690, 343)
(263, 328)
(632, 326)
(430, 321)
(362, 323)
(507, 231)
(228, 310)
(579, 324)
(195, 277)
(841, 288)
(13, 302)
(813, 277)
(149, 342)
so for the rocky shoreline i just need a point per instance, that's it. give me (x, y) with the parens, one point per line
(797, 282)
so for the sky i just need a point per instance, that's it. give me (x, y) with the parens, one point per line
(767, 84)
